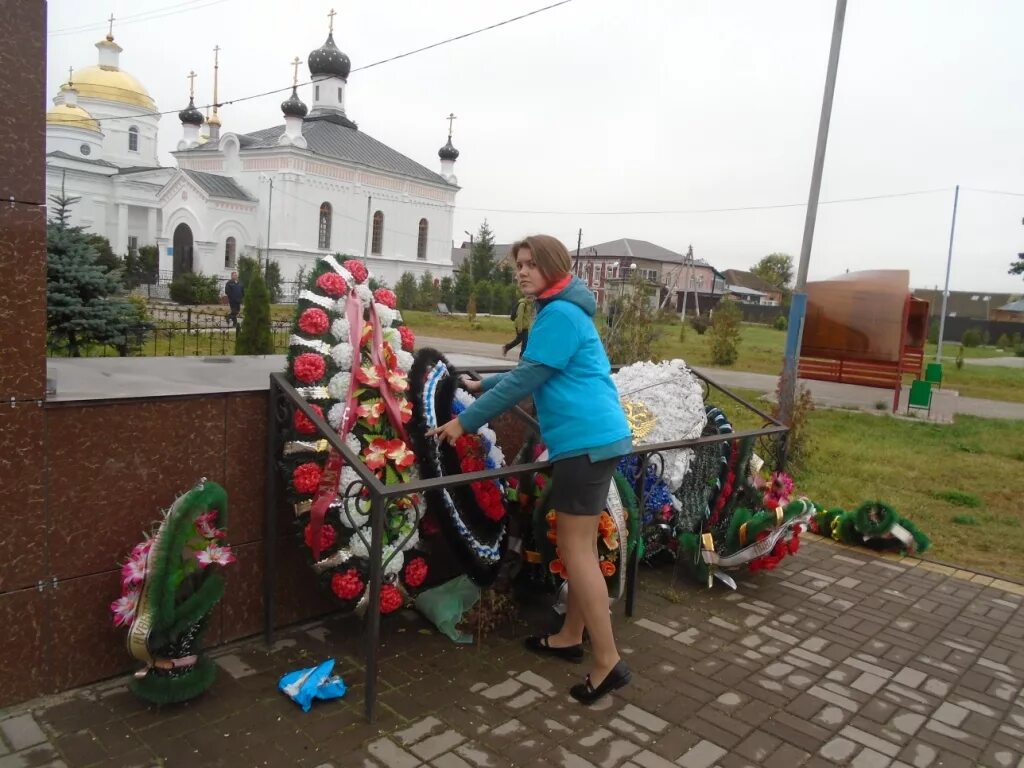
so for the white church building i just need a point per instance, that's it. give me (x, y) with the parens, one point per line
(310, 184)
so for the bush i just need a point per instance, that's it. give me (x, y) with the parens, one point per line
(699, 324)
(141, 307)
(781, 323)
(247, 266)
(194, 288)
(1003, 342)
(1019, 350)
(630, 330)
(725, 333)
(971, 338)
(405, 291)
(933, 331)
(254, 336)
(142, 268)
(791, 450)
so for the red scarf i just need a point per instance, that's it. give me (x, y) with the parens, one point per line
(555, 288)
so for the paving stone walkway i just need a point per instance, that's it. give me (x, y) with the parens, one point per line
(836, 658)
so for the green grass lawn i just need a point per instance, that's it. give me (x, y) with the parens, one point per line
(960, 483)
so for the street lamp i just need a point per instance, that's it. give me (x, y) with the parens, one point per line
(470, 257)
(986, 299)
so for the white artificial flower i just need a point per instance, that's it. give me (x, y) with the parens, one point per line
(342, 354)
(365, 294)
(405, 359)
(336, 415)
(353, 443)
(386, 315)
(675, 399)
(338, 385)
(340, 329)
(391, 335)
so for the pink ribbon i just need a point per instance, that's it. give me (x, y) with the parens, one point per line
(390, 404)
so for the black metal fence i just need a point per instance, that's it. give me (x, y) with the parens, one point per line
(282, 402)
(159, 287)
(179, 332)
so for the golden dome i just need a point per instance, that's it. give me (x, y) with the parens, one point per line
(72, 117)
(112, 85)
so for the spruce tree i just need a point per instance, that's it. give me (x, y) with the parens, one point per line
(82, 302)
(254, 337)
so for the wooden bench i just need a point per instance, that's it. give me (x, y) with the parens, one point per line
(884, 375)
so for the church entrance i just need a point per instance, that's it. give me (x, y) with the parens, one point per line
(182, 249)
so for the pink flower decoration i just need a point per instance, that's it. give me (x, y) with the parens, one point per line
(206, 524)
(357, 269)
(332, 284)
(215, 556)
(133, 572)
(314, 321)
(309, 367)
(124, 608)
(142, 548)
(385, 297)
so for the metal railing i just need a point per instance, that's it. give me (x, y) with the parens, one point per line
(282, 402)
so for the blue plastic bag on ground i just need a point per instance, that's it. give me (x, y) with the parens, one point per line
(445, 605)
(304, 685)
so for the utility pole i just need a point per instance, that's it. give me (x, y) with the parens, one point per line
(270, 204)
(798, 305)
(949, 263)
(579, 242)
(366, 240)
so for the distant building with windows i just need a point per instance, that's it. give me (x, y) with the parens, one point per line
(310, 185)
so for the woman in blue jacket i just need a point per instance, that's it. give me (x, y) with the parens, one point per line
(565, 368)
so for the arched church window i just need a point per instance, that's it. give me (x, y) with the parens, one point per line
(229, 253)
(421, 244)
(378, 232)
(325, 226)
(133, 139)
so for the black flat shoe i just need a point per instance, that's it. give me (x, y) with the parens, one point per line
(585, 693)
(539, 644)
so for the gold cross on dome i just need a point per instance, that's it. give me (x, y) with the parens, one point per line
(451, 117)
(110, 33)
(71, 71)
(295, 65)
(331, 16)
(216, 55)
(191, 84)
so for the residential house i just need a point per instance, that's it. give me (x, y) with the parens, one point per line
(748, 288)
(970, 304)
(1013, 312)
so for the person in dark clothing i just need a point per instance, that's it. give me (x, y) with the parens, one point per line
(234, 291)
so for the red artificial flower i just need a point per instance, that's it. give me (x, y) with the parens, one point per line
(306, 477)
(405, 411)
(607, 568)
(390, 598)
(357, 269)
(375, 455)
(416, 572)
(332, 284)
(327, 536)
(370, 412)
(408, 338)
(303, 425)
(385, 297)
(314, 322)
(370, 375)
(309, 367)
(348, 585)
(399, 453)
(397, 380)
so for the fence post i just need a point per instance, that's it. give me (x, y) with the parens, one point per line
(188, 320)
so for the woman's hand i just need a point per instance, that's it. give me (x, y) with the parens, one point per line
(449, 432)
(473, 386)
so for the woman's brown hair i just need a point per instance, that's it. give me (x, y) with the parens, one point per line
(550, 256)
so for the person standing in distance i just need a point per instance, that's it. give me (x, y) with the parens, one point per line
(565, 368)
(523, 319)
(234, 291)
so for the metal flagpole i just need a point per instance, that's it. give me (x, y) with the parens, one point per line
(798, 304)
(945, 292)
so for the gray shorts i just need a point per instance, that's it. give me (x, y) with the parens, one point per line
(580, 486)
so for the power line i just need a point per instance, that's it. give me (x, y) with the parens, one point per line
(994, 192)
(356, 69)
(150, 15)
(705, 210)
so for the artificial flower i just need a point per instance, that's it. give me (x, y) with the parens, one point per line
(385, 315)
(429, 525)
(365, 295)
(404, 360)
(348, 585)
(390, 598)
(398, 381)
(332, 284)
(393, 338)
(306, 477)
(371, 412)
(342, 355)
(779, 491)
(314, 321)
(357, 269)
(303, 424)
(133, 572)
(309, 367)
(416, 572)
(370, 375)
(339, 328)
(124, 608)
(339, 385)
(408, 338)
(557, 567)
(607, 568)
(376, 454)
(142, 548)
(215, 555)
(405, 411)
(206, 525)
(386, 297)
(327, 536)
(399, 453)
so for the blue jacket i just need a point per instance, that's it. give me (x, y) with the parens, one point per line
(566, 370)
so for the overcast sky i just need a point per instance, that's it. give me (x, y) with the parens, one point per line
(650, 105)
